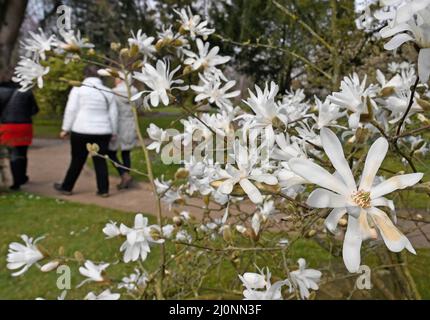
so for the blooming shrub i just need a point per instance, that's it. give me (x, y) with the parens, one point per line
(265, 171)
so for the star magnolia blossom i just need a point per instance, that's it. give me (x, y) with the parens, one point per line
(143, 42)
(304, 279)
(93, 272)
(193, 24)
(353, 96)
(39, 44)
(212, 90)
(27, 71)
(158, 135)
(74, 42)
(267, 113)
(343, 195)
(243, 173)
(411, 22)
(160, 81)
(205, 59)
(259, 287)
(23, 255)
(139, 238)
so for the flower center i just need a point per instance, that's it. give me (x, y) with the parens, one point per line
(361, 198)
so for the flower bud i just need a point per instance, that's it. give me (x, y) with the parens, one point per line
(115, 46)
(124, 52)
(226, 233)
(155, 234)
(343, 222)
(311, 233)
(79, 256)
(181, 173)
(93, 149)
(52, 265)
(424, 104)
(187, 70)
(134, 50)
(177, 220)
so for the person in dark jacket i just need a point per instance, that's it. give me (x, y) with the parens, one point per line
(16, 130)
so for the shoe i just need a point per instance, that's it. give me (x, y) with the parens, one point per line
(59, 188)
(126, 182)
(26, 179)
(103, 194)
(15, 188)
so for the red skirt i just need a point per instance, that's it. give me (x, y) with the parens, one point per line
(16, 134)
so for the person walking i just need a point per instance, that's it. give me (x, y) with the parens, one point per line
(127, 137)
(91, 116)
(16, 130)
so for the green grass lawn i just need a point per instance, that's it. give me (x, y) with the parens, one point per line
(79, 227)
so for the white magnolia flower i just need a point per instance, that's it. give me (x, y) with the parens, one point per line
(268, 114)
(328, 113)
(205, 59)
(158, 136)
(398, 104)
(267, 209)
(134, 281)
(243, 173)
(93, 272)
(23, 256)
(73, 42)
(160, 82)
(105, 295)
(143, 42)
(193, 24)
(353, 97)
(161, 185)
(412, 23)
(27, 71)
(183, 236)
(39, 44)
(111, 230)
(258, 286)
(341, 193)
(304, 279)
(211, 89)
(139, 238)
(167, 230)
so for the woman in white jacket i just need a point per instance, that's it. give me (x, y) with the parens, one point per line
(127, 137)
(91, 116)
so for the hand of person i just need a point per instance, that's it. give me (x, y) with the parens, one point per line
(63, 134)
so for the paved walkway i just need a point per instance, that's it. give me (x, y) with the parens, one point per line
(48, 161)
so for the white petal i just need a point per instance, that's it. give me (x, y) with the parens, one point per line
(318, 175)
(226, 187)
(375, 156)
(322, 198)
(393, 238)
(251, 190)
(424, 65)
(395, 183)
(352, 245)
(333, 218)
(397, 41)
(334, 151)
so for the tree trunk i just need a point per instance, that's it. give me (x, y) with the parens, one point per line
(13, 12)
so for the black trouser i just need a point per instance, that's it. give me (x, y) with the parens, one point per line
(18, 164)
(79, 156)
(126, 161)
